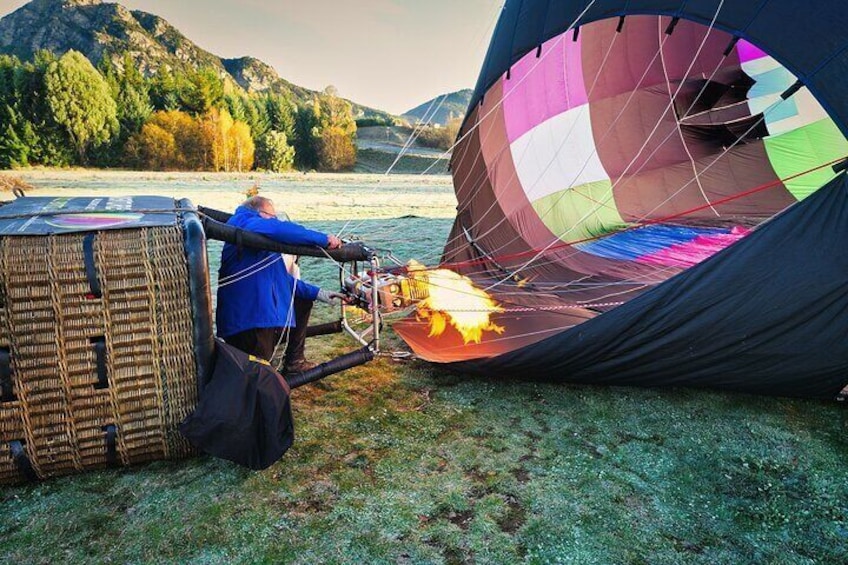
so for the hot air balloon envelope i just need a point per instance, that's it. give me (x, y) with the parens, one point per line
(646, 191)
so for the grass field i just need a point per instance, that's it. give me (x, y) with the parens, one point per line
(375, 161)
(404, 463)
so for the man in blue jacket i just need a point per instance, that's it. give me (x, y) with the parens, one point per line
(258, 299)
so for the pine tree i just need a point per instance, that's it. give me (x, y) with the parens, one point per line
(203, 91)
(133, 98)
(305, 142)
(164, 90)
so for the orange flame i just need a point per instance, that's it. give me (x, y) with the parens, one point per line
(454, 299)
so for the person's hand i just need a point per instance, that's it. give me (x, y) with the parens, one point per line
(330, 297)
(333, 242)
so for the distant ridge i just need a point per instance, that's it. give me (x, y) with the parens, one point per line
(440, 112)
(101, 29)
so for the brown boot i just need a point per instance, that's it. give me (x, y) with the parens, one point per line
(298, 366)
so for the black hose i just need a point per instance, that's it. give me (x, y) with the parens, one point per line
(337, 365)
(325, 329)
(217, 215)
(222, 232)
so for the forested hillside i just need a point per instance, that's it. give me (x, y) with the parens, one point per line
(60, 111)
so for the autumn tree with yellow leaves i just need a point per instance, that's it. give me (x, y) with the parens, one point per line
(336, 133)
(175, 140)
(170, 140)
(232, 144)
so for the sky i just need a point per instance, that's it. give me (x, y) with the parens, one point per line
(388, 54)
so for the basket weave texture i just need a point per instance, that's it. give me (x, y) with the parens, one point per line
(60, 409)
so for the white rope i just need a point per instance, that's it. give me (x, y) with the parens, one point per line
(672, 97)
(601, 204)
(483, 176)
(526, 150)
(644, 145)
(248, 268)
(708, 167)
(416, 133)
(500, 102)
(249, 274)
(604, 137)
(448, 152)
(606, 134)
(283, 341)
(609, 193)
(479, 123)
(562, 144)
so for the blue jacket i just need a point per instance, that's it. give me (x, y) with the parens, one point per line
(261, 298)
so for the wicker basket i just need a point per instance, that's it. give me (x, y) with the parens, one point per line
(98, 371)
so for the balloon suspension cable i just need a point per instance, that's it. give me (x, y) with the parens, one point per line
(633, 226)
(388, 296)
(483, 177)
(423, 122)
(385, 291)
(599, 203)
(611, 127)
(642, 221)
(447, 153)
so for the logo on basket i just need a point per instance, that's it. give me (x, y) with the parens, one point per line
(92, 221)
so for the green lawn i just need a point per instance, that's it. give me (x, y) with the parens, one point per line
(405, 463)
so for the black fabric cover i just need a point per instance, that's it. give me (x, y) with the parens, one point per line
(244, 414)
(807, 38)
(43, 215)
(767, 315)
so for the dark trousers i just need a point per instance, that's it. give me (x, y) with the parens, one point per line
(261, 342)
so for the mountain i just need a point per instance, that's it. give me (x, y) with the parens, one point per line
(254, 75)
(100, 29)
(438, 111)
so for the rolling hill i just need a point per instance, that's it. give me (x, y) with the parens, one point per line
(441, 109)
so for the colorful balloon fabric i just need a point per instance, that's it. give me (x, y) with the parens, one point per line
(618, 149)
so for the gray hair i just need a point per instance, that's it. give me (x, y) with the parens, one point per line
(257, 202)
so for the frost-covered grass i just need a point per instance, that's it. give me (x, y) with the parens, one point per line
(312, 196)
(406, 463)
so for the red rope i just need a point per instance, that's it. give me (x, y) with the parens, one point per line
(635, 226)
